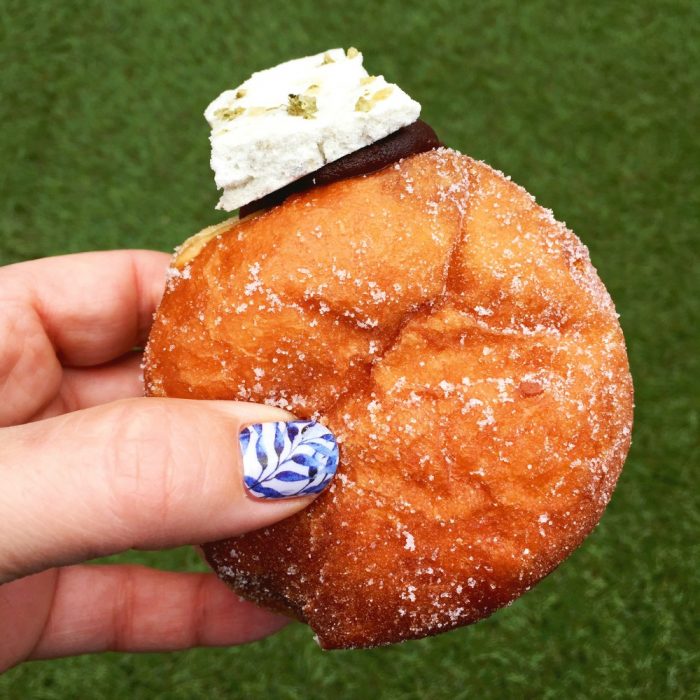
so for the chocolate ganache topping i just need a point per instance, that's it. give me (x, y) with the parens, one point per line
(414, 138)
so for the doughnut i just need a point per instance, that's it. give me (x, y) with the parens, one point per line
(457, 340)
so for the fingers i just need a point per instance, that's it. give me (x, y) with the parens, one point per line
(92, 386)
(134, 608)
(93, 307)
(85, 309)
(139, 473)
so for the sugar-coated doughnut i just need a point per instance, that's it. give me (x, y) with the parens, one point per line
(457, 340)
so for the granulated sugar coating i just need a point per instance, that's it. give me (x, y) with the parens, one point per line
(459, 343)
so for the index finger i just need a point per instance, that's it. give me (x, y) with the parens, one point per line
(94, 307)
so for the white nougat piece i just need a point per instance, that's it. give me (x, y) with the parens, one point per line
(287, 121)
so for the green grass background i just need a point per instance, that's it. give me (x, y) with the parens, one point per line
(593, 106)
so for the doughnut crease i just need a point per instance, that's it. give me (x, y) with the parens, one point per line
(458, 341)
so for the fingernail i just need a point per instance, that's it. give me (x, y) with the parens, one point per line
(284, 460)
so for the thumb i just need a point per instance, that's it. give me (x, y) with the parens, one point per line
(152, 473)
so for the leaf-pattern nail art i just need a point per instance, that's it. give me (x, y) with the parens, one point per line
(283, 460)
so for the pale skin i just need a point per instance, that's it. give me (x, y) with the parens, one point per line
(89, 467)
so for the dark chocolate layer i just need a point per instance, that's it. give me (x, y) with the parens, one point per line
(414, 138)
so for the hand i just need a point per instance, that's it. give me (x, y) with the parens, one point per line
(87, 470)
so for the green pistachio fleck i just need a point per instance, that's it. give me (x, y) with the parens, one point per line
(240, 93)
(313, 89)
(229, 114)
(382, 94)
(352, 52)
(327, 59)
(368, 79)
(302, 106)
(363, 105)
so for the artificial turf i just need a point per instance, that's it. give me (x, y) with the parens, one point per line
(593, 106)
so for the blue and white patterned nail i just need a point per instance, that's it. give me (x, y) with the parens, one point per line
(284, 460)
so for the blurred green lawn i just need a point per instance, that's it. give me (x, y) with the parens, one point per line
(593, 106)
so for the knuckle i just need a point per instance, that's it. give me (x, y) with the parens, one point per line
(11, 326)
(29, 371)
(146, 470)
(123, 612)
(199, 618)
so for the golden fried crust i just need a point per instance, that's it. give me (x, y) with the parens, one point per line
(459, 343)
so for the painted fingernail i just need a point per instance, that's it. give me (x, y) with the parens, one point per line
(284, 460)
